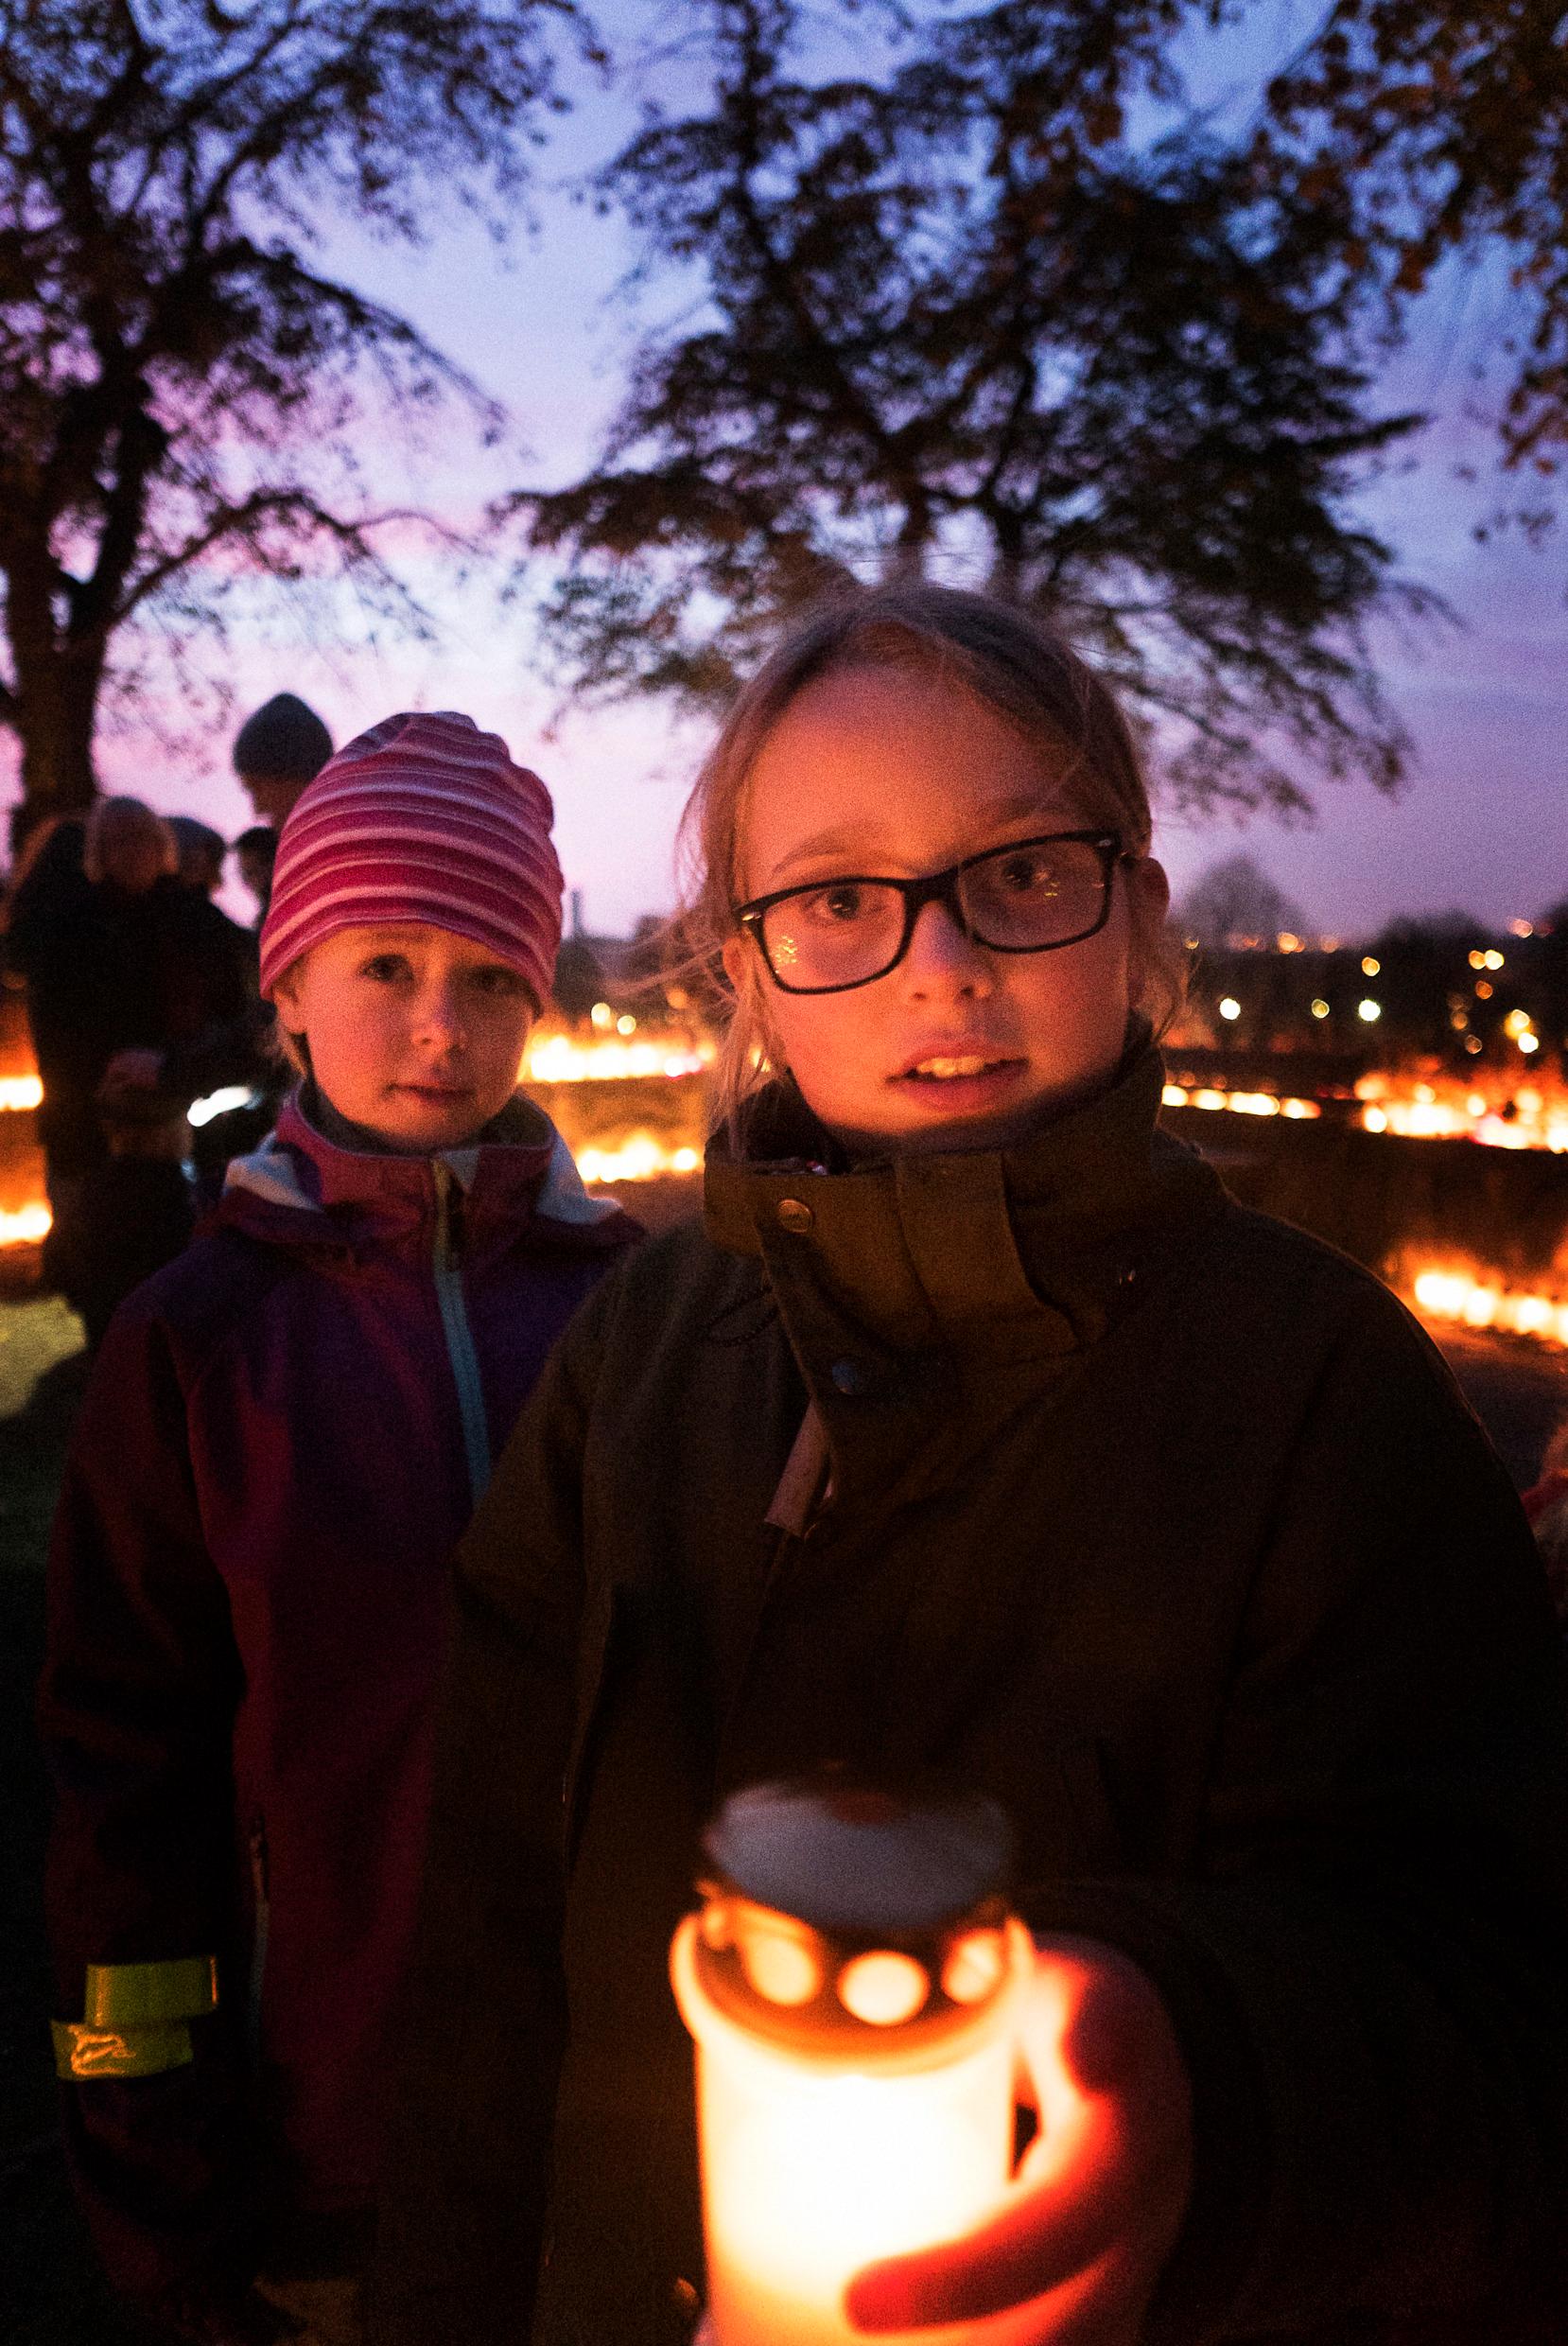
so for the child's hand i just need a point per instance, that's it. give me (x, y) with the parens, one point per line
(1102, 2192)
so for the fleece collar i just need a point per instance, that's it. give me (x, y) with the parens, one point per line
(301, 1186)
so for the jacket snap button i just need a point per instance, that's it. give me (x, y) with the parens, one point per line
(796, 1214)
(848, 1376)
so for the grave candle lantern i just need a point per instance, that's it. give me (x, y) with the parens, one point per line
(852, 1983)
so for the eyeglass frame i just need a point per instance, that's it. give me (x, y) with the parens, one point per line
(936, 888)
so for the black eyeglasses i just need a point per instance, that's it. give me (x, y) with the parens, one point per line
(1032, 896)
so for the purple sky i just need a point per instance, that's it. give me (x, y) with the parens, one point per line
(1483, 824)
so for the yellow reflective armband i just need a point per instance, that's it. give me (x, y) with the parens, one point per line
(137, 2019)
(129, 1995)
(82, 2053)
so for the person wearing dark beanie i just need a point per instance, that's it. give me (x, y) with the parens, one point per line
(277, 750)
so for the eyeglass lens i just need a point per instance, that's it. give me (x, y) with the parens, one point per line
(1019, 899)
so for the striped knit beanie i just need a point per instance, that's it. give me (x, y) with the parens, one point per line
(422, 819)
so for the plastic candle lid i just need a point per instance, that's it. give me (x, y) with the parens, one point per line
(861, 1861)
(842, 1917)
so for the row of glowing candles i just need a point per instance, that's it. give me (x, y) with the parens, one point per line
(1531, 1120)
(1527, 1118)
(611, 1054)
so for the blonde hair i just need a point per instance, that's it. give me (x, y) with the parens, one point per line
(1009, 659)
(116, 824)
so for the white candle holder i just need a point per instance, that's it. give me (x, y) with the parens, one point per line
(853, 1984)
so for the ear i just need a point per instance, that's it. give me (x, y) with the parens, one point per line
(284, 992)
(737, 957)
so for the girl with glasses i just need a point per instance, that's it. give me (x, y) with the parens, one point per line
(977, 1430)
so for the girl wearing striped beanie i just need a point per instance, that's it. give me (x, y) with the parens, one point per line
(285, 1434)
(412, 929)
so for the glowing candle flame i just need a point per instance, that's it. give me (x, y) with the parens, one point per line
(1472, 1300)
(29, 1225)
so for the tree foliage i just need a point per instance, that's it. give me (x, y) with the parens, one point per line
(179, 386)
(1432, 127)
(957, 320)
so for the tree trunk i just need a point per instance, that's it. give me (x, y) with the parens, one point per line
(55, 717)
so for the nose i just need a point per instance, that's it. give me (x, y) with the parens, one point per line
(438, 1017)
(942, 962)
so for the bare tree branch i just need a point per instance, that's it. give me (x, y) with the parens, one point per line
(177, 381)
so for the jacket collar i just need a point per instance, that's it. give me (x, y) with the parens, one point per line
(992, 1254)
(303, 1186)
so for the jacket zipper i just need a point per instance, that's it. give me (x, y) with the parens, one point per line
(459, 1334)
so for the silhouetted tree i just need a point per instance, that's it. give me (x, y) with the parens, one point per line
(179, 382)
(958, 321)
(1234, 899)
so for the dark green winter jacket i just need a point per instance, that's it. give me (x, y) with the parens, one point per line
(1152, 1517)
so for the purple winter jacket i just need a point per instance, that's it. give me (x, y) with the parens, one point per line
(283, 1435)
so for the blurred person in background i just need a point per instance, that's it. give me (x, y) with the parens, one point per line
(199, 851)
(128, 970)
(276, 751)
(88, 912)
(255, 852)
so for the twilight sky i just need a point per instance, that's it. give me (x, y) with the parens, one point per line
(1482, 825)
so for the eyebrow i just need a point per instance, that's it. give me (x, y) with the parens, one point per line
(844, 841)
(389, 936)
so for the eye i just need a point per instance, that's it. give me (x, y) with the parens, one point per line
(834, 906)
(498, 979)
(386, 969)
(1028, 871)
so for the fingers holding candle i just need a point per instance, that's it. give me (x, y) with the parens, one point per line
(1077, 2248)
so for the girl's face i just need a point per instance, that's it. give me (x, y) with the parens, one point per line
(414, 1033)
(891, 772)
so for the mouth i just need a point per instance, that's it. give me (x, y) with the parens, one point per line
(955, 1070)
(969, 1084)
(940, 1068)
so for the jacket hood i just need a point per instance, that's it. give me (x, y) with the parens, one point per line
(301, 1188)
(984, 1251)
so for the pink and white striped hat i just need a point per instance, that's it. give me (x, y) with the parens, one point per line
(422, 819)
